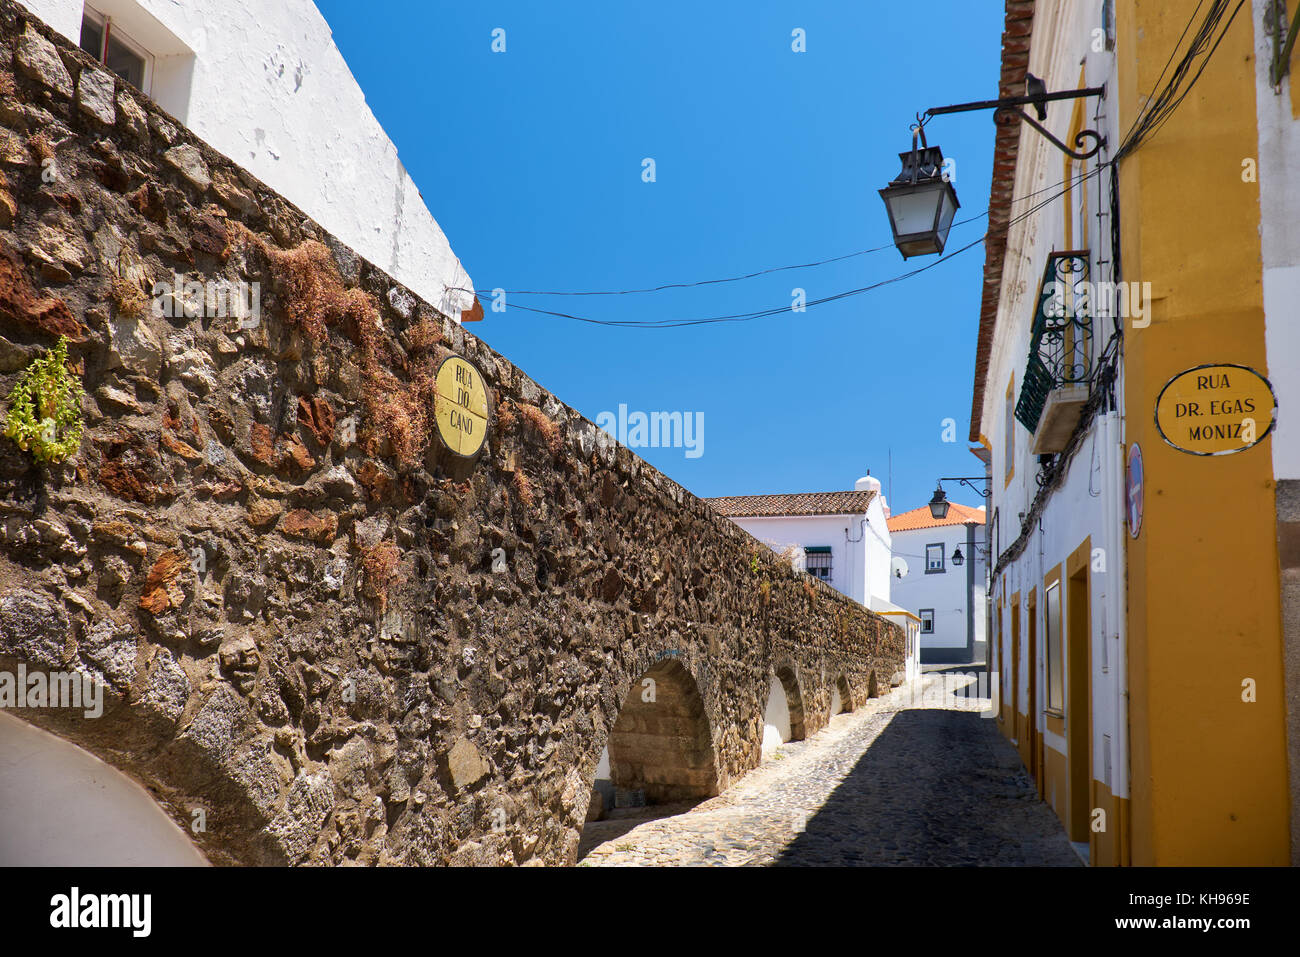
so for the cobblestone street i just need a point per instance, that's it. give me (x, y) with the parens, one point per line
(907, 779)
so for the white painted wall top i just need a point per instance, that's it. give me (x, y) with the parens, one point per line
(265, 84)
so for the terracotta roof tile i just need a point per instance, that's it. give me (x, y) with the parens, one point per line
(921, 518)
(803, 503)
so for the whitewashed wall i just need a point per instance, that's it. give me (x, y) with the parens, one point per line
(263, 83)
(860, 546)
(946, 592)
(1090, 502)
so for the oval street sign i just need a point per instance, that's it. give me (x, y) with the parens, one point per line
(460, 406)
(1133, 489)
(1216, 409)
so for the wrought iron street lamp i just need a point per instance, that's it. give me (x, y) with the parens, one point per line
(921, 201)
(957, 557)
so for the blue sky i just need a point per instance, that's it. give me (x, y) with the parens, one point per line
(531, 161)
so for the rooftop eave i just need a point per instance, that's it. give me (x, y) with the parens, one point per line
(1016, 38)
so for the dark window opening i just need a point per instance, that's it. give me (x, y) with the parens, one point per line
(817, 561)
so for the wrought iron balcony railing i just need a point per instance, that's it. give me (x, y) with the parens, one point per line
(1060, 346)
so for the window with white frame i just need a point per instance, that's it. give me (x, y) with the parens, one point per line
(105, 41)
(927, 621)
(817, 561)
(934, 558)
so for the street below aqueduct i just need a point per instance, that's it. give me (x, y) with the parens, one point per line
(914, 777)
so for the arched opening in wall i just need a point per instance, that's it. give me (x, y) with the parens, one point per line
(77, 811)
(841, 697)
(659, 758)
(783, 716)
(873, 689)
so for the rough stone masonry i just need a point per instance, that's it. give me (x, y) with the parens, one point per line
(317, 626)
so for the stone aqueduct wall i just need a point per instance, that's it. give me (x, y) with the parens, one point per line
(301, 628)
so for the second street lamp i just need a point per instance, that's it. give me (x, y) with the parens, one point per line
(939, 502)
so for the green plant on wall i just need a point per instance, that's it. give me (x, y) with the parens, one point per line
(44, 415)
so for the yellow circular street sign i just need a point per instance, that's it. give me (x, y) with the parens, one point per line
(1216, 409)
(460, 406)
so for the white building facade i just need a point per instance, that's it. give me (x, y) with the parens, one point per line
(941, 576)
(264, 83)
(840, 537)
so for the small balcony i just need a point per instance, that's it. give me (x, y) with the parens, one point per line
(1057, 377)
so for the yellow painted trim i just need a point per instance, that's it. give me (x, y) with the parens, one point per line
(908, 614)
(1078, 681)
(1032, 691)
(1079, 559)
(1295, 87)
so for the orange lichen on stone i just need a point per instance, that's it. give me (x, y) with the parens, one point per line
(261, 444)
(20, 303)
(379, 562)
(301, 523)
(160, 588)
(378, 482)
(176, 446)
(317, 417)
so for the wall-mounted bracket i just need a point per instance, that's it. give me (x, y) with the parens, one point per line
(1039, 98)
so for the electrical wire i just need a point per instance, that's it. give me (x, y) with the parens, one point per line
(730, 279)
(780, 310)
(1153, 117)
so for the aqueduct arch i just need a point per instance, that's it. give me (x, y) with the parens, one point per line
(661, 744)
(62, 807)
(783, 713)
(841, 696)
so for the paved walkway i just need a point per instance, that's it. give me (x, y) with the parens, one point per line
(916, 777)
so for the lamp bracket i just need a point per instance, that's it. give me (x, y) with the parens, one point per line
(1080, 140)
(967, 481)
(1010, 106)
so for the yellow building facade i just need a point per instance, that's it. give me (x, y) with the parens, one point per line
(1133, 347)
